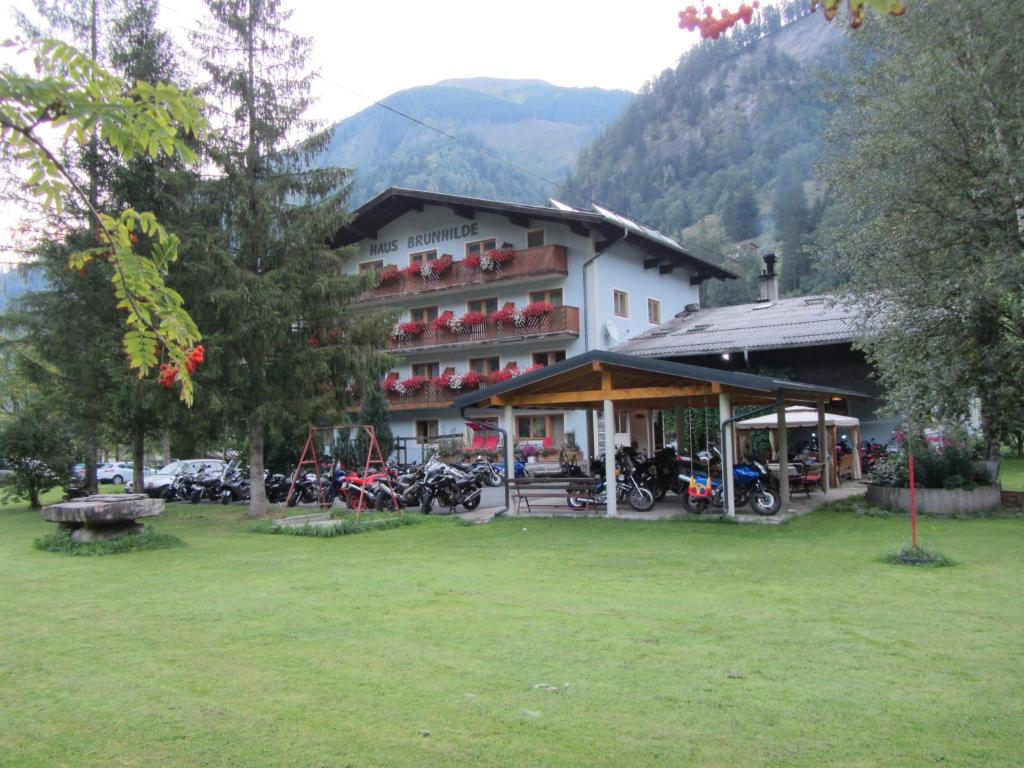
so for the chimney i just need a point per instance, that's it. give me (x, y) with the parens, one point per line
(769, 281)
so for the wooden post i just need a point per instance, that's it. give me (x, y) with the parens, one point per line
(510, 454)
(824, 450)
(679, 413)
(782, 439)
(611, 510)
(728, 455)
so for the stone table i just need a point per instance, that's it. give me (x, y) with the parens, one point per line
(103, 516)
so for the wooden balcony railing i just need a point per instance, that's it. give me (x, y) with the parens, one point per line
(427, 397)
(543, 261)
(560, 321)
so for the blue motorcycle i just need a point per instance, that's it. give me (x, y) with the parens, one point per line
(520, 468)
(750, 484)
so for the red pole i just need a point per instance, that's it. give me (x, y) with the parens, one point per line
(913, 497)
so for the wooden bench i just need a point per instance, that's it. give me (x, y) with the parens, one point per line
(548, 492)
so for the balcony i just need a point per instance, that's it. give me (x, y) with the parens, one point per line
(560, 322)
(427, 397)
(529, 263)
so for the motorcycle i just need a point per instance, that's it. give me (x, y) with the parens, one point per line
(487, 471)
(627, 487)
(451, 487)
(234, 484)
(660, 473)
(750, 486)
(404, 490)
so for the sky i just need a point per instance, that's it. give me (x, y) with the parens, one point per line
(368, 50)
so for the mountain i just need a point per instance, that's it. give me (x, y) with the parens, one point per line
(537, 126)
(721, 150)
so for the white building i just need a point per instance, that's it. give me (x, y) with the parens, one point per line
(606, 279)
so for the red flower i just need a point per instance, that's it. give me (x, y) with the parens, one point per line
(414, 383)
(500, 375)
(474, 318)
(389, 274)
(472, 261)
(440, 322)
(538, 309)
(168, 373)
(504, 315)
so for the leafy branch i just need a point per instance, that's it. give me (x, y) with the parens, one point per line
(72, 94)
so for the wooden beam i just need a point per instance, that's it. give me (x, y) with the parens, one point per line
(518, 220)
(697, 280)
(650, 262)
(598, 367)
(463, 211)
(606, 382)
(578, 229)
(598, 395)
(665, 268)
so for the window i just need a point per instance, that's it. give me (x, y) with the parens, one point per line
(485, 306)
(426, 429)
(485, 366)
(539, 427)
(422, 256)
(622, 421)
(552, 296)
(426, 370)
(654, 311)
(366, 266)
(621, 303)
(490, 421)
(423, 314)
(480, 246)
(535, 238)
(549, 358)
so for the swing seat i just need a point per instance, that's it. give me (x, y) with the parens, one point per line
(699, 490)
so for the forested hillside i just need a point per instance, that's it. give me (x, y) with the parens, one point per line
(529, 123)
(721, 150)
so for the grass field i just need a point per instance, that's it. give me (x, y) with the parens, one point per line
(1012, 474)
(657, 643)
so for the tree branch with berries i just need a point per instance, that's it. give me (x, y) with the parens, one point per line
(72, 95)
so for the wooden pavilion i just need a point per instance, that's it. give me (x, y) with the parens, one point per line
(604, 381)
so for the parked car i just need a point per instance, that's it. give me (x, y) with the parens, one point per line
(115, 472)
(157, 483)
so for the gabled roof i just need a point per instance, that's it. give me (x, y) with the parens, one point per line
(798, 322)
(389, 205)
(642, 381)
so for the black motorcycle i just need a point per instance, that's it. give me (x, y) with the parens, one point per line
(405, 489)
(234, 484)
(450, 487)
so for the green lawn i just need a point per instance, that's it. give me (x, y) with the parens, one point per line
(1012, 474)
(669, 644)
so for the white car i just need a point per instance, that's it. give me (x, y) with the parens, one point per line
(116, 472)
(156, 484)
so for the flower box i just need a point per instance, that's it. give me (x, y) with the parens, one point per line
(389, 274)
(406, 331)
(489, 261)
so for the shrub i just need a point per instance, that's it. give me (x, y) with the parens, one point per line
(60, 541)
(953, 465)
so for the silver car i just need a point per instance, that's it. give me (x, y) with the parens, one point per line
(157, 483)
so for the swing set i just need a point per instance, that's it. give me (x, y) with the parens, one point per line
(697, 488)
(311, 458)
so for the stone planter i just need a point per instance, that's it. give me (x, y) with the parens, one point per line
(104, 516)
(938, 502)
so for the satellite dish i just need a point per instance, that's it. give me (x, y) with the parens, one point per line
(612, 331)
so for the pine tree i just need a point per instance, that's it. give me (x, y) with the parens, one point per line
(792, 221)
(374, 412)
(740, 214)
(268, 290)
